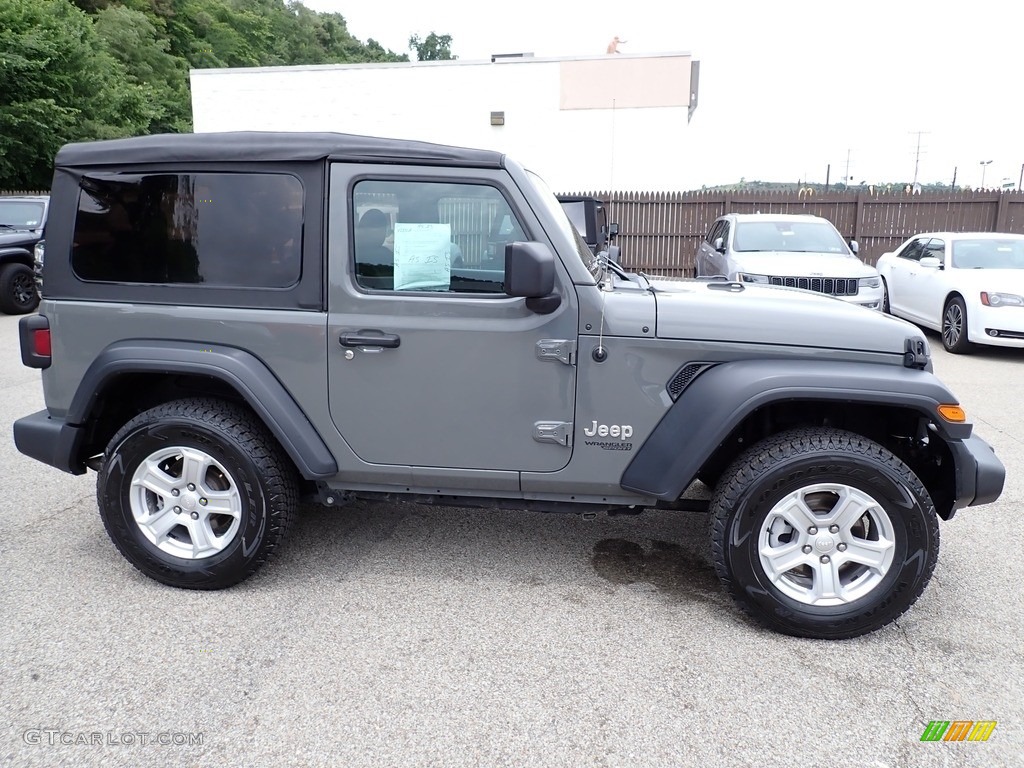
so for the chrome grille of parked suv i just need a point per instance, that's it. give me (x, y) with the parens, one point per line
(834, 286)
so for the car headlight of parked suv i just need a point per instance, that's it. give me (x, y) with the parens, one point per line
(746, 277)
(1001, 299)
(870, 282)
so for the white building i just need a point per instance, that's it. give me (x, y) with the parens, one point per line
(583, 123)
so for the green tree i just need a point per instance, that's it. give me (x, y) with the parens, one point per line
(135, 41)
(433, 48)
(57, 84)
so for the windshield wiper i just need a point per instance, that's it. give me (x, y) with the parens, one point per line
(6, 226)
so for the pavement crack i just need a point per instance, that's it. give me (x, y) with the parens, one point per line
(908, 688)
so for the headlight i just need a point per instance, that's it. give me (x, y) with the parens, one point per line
(1001, 299)
(39, 252)
(745, 277)
(870, 282)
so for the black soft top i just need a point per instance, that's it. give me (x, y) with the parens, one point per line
(270, 146)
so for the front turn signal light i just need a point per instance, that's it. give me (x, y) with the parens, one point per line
(953, 413)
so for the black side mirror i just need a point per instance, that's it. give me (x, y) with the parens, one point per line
(530, 272)
(613, 231)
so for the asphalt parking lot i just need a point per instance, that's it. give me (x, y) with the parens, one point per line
(400, 635)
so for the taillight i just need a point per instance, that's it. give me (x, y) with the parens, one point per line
(41, 342)
(36, 344)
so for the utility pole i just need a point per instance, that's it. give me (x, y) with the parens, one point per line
(953, 185)
(984, 166)
(917, 154)
(846, 178)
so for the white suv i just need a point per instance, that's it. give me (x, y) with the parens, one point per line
(796, 251)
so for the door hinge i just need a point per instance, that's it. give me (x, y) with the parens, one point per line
(553, 432)
(562, 350)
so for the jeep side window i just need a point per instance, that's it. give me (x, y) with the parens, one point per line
(218, 229)
(431, 236)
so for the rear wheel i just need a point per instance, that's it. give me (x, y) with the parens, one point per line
(954, 327)
(886, 308)
(18, 294)
(196, 493)
(823, 533)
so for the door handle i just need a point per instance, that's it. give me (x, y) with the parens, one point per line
(368, 338)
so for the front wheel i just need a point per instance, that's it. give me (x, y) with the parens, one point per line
(823, 533)
(196, 493)
(954, 327)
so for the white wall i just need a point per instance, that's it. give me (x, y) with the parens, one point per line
(451, 102)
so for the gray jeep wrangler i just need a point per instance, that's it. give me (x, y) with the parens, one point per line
(232, 323)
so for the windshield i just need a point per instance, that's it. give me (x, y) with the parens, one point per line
(547, 197)
(21, 214)
(789, 236)
(989, 254)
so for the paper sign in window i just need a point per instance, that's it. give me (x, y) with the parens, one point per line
(423, 257)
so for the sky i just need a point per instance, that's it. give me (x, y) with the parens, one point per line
(790, 90)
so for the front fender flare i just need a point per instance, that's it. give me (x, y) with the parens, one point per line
(241, 370)
(721, 397)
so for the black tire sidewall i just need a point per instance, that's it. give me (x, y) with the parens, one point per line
(913, 558)
(8, 274)
(140, 442)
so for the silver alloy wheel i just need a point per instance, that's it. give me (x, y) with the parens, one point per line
(826, 544)
(952, 325)
(185, 503)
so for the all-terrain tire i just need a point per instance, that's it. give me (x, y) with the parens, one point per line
(196, 493)
(823, 533)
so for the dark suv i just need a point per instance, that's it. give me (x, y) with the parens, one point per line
(22, 224)
(234, 322)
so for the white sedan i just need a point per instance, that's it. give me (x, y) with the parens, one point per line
(967, 285)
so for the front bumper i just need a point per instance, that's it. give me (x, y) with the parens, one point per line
(50, 441)
(1007, 323)
(979, 474)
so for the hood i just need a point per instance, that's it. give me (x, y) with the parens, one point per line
(19, 236)
(787, 263)
(1002, 280)
(761, 314)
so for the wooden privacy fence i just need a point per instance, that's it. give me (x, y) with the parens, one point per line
(660, 232)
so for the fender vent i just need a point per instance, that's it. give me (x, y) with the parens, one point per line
(684, 376)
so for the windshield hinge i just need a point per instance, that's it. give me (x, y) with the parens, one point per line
(562, 350)
(915, 354)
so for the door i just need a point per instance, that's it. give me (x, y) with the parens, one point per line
(430, 363)
(712, 261)
(903, 277)
(930, 284)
